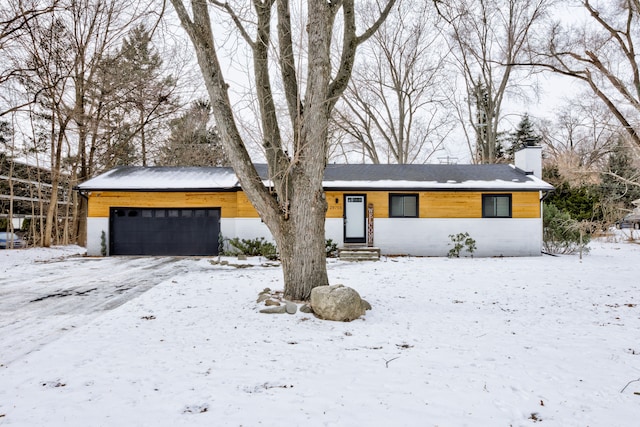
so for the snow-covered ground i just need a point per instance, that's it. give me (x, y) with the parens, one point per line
(449, 342)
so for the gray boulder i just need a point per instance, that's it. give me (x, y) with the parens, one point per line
(274, 310)
(290, 307)
(337, 302)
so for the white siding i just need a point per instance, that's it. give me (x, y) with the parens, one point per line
(430, 237)
(95, 227)
(394, 236)
(425, 237)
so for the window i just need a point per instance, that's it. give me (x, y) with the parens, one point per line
(403, 205)
(496, 205)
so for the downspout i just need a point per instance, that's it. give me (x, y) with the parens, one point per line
(545, 195)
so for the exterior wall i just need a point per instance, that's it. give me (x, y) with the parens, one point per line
(232, 204)
(441, 214)
(95, 227)
(430, 237)
(244, 228)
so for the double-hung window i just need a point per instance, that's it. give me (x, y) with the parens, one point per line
(496, 205)
(403, 205)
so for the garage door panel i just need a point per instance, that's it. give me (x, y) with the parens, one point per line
(164, 231)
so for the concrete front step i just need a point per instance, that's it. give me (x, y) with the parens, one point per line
(359, 253)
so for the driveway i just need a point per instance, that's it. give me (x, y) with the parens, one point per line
(69, 291)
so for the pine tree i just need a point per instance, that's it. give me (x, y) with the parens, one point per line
(193, 142)
(524, 136)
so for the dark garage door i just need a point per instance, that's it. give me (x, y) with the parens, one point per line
(143, 231)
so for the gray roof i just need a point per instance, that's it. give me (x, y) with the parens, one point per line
(337, 176)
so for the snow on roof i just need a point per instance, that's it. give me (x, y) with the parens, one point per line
(344, 176)
(163, 178)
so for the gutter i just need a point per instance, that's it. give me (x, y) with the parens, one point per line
(546, 194)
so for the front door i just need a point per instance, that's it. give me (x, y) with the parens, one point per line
(355, 218)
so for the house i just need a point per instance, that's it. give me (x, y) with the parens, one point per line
(401, 209)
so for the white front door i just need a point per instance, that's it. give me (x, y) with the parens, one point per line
(355, 218)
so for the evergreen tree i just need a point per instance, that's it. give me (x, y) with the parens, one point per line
(617, 187)
(582, 202)
(524, 136)
(140, 99)
(193, 142)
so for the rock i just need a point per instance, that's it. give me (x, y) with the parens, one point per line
(290, 307)
(242, 257)
(266, 290)
(304, 308)
(366, 305)
(274, 310)
(271, 302)
(263, 297)
(338, 302)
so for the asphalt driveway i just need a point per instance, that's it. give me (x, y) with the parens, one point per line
(69, 291)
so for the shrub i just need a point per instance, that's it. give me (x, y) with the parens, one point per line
(254, 247)
(103, 243)
(461, 241)
(331, 248)
(561, 233)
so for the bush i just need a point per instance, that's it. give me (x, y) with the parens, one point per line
(253, 247)
(331, 248)
(461, 241)
(561, 233)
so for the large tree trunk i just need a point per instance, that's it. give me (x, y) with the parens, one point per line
(301, 242)
(296, 217)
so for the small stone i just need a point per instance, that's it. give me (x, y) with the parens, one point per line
(290, 307)
(262, 297)
(242, 257)
(266, 290)
(225, 262)
(305, 309)
(271, 302)
(366, 305)
(274, 310)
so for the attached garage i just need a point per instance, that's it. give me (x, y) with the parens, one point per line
(160, 211)
(164, 231)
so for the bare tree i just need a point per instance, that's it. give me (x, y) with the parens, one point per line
(580, 137)
(488, 38)
(15, 18)
(64, 51)
(294, 207)
(601, 53)
(392, 109)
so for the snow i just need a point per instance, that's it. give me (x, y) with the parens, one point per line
(166, 178)
(449, 342)
(532, 183)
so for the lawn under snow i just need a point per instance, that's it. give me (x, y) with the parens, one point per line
(450, 342)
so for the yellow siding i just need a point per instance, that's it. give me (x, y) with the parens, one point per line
(525, 205)
(245, 208)
(335, 202)
(101, 201)
(436, 204)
